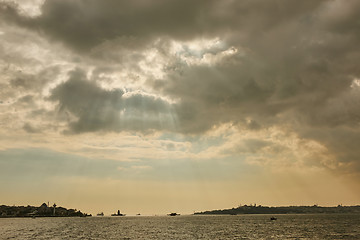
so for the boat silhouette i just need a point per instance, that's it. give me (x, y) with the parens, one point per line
(118, 214)
(173, 214)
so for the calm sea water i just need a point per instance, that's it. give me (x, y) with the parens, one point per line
(334, 226)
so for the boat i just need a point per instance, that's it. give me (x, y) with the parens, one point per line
(100, 214)
(173, 214)
(117, 214)
(273, 218)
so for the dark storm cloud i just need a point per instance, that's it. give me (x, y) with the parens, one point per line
(95, 108)
(83, 24)
(295, 66)
(298, 54)
(292, 62)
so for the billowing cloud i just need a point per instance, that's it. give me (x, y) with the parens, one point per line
(93, 108)
(84, 24)
(190, 68)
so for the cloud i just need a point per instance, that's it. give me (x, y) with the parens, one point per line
(85, 24)
(30, 129)
(94, 108)
(341, 145)
(191, 67)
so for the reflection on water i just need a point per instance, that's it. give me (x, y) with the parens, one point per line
(333, 226)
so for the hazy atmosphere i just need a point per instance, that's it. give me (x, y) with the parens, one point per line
(158, 106)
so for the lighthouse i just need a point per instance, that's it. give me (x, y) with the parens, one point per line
(54, 206)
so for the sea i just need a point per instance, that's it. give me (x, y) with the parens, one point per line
(289, 226)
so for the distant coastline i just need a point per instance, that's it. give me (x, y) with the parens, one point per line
(45, 210)
(258, 209)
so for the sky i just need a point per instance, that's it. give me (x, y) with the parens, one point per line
(158, 106)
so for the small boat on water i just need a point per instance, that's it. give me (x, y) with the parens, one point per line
(100, 214)
(273, 218)
(173, 214)
(117, 214)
